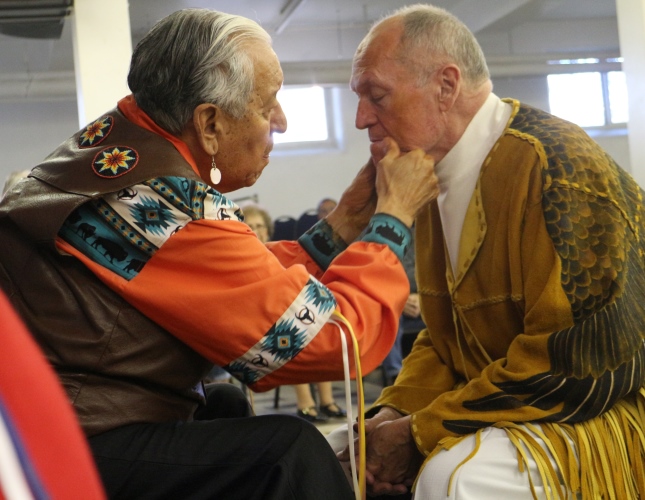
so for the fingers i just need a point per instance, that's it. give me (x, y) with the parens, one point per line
(405, 182)
(370, 423)
(377, 488)
(367, 175)
(343, 456)
(392, 150)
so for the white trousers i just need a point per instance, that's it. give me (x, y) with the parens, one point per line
(491, 474)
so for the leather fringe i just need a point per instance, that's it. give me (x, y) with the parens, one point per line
(601, 458)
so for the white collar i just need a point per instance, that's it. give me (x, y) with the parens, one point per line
(459, 170)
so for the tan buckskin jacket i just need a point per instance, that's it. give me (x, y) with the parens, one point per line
(544, 320)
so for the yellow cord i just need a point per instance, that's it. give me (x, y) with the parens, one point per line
(336, 318)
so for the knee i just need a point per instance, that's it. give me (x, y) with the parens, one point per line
(491, 472)
(338, 438)
(224, 401)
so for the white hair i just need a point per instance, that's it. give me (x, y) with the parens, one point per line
(443, 37)
(190, 57)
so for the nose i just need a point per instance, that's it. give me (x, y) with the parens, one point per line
(278, 120)
(364, 115)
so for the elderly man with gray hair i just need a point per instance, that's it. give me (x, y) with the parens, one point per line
(528, 381)
(136, 273)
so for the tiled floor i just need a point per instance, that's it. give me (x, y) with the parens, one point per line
(264, 402)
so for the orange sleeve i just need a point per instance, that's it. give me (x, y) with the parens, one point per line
(289, 252)
(215, 286)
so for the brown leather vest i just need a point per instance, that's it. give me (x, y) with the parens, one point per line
(117, 365)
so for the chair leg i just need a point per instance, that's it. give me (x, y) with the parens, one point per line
(384, 378)
(276, 398)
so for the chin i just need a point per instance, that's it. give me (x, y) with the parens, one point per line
(377, 158)
(376, 149)
(251, 182)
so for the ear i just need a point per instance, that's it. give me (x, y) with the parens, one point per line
(449, 85)
(207, 121)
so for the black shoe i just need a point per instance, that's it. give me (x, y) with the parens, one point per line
(310, 417)
(329, 410)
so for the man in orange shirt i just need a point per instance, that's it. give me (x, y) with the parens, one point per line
(136, 273)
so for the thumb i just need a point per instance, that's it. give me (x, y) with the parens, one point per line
(392, 150)
(370, 424)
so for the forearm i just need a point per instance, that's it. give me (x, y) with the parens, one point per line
(232, 301)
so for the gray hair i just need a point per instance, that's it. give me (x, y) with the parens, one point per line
(190, 57)
(442, 35)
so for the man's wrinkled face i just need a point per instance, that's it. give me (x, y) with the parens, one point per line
(246, 143)
(391, 101)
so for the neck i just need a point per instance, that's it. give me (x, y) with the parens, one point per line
(202, 160)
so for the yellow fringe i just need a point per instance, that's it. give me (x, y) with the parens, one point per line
(602, 458)
(471, 455)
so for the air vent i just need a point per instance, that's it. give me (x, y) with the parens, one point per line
(34, 18)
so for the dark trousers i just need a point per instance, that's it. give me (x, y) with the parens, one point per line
(265, 457)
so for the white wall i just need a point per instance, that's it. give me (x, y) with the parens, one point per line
(292, 184)
(533, 90)
(30, 130)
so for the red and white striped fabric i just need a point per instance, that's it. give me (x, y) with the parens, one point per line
(43, 453)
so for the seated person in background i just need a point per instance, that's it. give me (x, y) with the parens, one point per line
(259, 221)
(530, 267)
(136, 273)
(325, 207)
(43, 453)
(307, 404)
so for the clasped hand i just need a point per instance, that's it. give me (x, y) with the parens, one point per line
(392, 459)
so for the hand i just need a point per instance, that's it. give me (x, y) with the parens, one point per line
(412, 307)
(356, 205)
(405, 182)
(385, 414)
(392, 458)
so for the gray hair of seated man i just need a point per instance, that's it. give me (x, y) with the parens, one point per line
(190, 57)
(432, 37)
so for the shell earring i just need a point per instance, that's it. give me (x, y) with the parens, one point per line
(216, 174)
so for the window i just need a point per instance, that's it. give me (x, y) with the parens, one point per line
(617, 93)
(306, 114)
(309, 119)
(590, 99)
